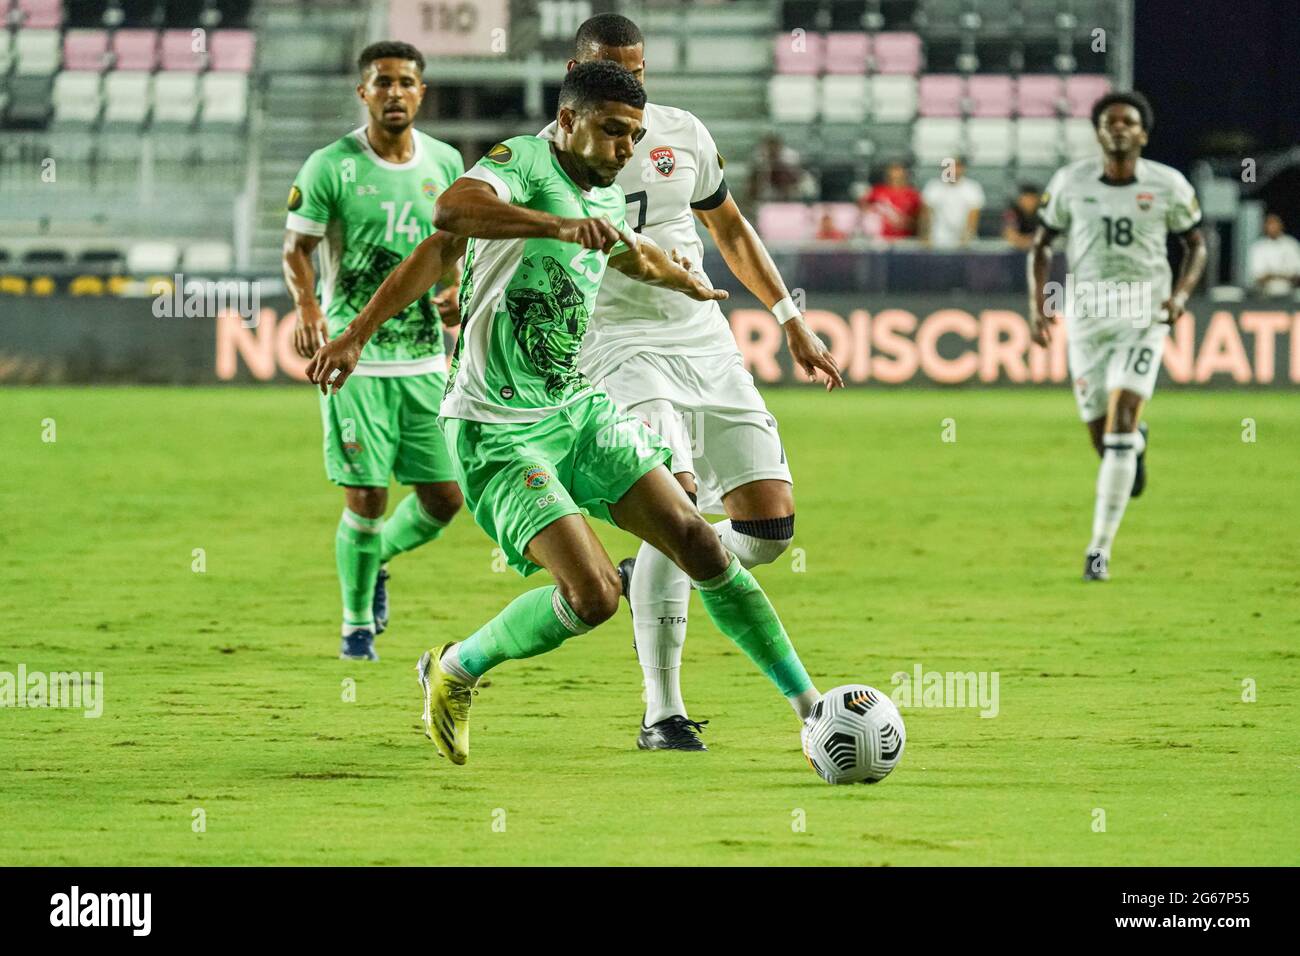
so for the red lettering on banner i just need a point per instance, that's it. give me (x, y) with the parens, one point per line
(1180, 351)
(257, 347)
(899, 361)
(1295, 349)
(860, 368)
(997, 352)
(758, 336)
(936, 326)
(291, 363)
(837, 332)
(1222, 351)
(1264, 326)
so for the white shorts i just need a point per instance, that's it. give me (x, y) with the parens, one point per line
(710, 414)
(1114, 357)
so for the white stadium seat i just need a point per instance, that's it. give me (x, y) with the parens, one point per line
(175, 97)
(893, 98)
(1080, 139)
(152, 258)
(935, 139)
(225, 98)
(209, 258)
(792, 99)
(845, 99)
(77, 96)
(989, 141)
(1038, 142)
(126, 94)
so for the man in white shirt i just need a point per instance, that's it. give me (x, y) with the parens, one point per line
(1275, 259)
(950, 208)
(676, 366)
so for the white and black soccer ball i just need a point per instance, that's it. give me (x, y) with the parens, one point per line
(854, 734)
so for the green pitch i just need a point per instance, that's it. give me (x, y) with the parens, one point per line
(230, 734)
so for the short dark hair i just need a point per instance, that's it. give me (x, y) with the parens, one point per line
(606, 29)
(1026, 188)
(597, 81)
(389, 50)
(1129, 98)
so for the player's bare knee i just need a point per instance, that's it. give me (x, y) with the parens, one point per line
(594, 599)
(367, 502)
(700, 554)
(440, 501)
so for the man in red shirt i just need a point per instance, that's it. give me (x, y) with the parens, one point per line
(894, 204)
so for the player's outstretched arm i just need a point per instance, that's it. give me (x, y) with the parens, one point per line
(1189, 273)
(1038, 263)
(417, 274)
(750, 262)
(470, 207)
(646, 262)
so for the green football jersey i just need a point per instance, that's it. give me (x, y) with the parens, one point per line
(525, 302)
(371, 214)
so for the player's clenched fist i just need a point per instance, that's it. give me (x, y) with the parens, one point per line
(334, 362)
(590, 233)
(1040, 326)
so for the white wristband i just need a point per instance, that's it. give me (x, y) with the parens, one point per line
(785, 310)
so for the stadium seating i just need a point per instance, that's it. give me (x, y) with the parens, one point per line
(152, 258)
(85, 49)
(78, 97)
(941, 94)
(212, 258)
(786, 221)
(847, 53)
(37, 52)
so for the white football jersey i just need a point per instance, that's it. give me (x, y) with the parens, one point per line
(1115, 238)
(674, 170)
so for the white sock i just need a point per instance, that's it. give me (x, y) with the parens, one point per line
(1114, 485)
(452, 665)
(753, 550)
(660, 594)
(803, 703)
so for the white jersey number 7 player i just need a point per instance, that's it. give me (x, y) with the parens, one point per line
(674, 363)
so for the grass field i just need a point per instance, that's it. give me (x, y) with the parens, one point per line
(222, 692)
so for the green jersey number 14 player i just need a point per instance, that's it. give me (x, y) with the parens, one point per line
(364, 202)
(534, 443)
(1119, 300)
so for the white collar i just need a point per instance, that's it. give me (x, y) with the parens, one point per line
(364, 140)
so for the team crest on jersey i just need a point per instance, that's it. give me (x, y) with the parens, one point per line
(295, 198)
(536, 478)
(429, 188)
(1145, 200)
(663, 159)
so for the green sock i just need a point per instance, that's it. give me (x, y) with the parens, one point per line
(356, 549)
(742, 611)
(535, 622)
(408, 527)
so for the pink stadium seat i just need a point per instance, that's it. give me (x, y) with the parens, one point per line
(941, 94)
(232, 50)
(785, 221)
(990, 95)
(799, 53)
(135, 49)
(85, 49)
(1039, 96)
(41, 14)
(897, 53)
(178, 52)
(847, 52)
(1082, 91)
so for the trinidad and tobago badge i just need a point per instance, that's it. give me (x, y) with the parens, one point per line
(429, 188)
(1145, 200)
(536, 477)
(663, 159)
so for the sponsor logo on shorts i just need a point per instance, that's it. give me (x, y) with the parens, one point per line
(663, 159)
(550, 498)
(507, 393)
(536, 477)
(352, 448)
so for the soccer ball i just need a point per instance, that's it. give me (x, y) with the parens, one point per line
(854, 734)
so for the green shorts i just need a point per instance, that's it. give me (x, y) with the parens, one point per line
(376, 427)
(518, 478)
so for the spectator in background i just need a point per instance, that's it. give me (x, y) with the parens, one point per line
(1275, 259)
(950, 208)
(778, 175)
(1021, 218)
(892, 206)
(827, 231)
